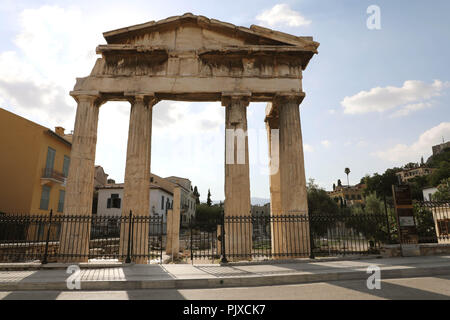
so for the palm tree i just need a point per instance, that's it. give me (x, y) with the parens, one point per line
(347, 171)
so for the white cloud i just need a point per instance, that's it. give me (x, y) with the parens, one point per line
(282, 15)
(179, 118)
(402, 153)
(308, 148)
(361, 143)
(404, 111)
(54, 46)
(332, 111)
(325, 143)
(408, 98)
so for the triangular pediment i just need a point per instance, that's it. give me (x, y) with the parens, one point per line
(191, 32)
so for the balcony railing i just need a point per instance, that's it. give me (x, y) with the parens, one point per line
(49, 173)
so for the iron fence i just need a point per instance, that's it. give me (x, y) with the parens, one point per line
(59, 238)
(432, 219)
(203, 239)
(287, 236)
(347, 234)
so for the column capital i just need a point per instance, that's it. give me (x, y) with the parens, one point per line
(229, 97)
(272, 121)
(149, 98)
(271, 115)
(92, 95)
(286, 97)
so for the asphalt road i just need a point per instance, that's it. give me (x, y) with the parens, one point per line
(435, 288)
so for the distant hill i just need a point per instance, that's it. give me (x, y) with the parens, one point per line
(259, 201)
(254, 201)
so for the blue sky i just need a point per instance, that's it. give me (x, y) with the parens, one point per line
(374, 98)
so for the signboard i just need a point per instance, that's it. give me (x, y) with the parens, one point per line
(402, 195)
(407, 231)
(406, 221)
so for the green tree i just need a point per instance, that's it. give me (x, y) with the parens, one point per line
(371, 220)
(434, 160)
(381, 184)
(443, 191)
(442, 172)
(208, 200)
(374, 205)
(417, 184)
(411, 165)
(207, 217)
(425, 223)
(320, 205)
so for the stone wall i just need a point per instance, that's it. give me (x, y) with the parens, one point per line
(426, 249)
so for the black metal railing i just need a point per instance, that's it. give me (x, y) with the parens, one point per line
(50, 173)
(287, 236)
(65, 238)
(57, 237)
(348, 234)
(433, 221)
(203, 242)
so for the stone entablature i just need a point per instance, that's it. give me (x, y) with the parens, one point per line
(248, 61)
(199, 56)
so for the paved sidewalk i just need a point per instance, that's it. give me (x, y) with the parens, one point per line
(213, 276)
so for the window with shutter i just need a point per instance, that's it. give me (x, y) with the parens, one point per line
(45, 198)
(62, 195)
(66, 166)
(50, 158)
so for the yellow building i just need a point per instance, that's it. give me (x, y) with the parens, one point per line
(408, 174)
(352, 195)
(34, 164)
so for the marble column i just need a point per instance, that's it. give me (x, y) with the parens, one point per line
(238, 233)
(137, 178)
(173, 225)
(75, 233)
(293, 192)
(272, 127)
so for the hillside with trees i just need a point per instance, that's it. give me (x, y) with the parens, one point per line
(381, 183)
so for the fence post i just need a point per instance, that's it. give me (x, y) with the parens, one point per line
(44, 260)
(128, 259)
(387, 220)
(222, 243)
(311, 239)
(191, 239)
(161, 230)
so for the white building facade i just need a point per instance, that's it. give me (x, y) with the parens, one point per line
(428, 193)
(110, 201)
(161, 198)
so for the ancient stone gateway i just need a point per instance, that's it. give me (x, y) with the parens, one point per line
(193, 58)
